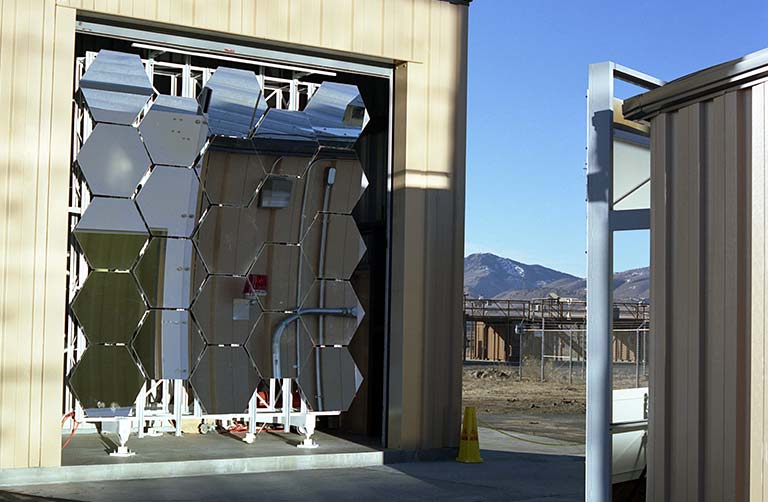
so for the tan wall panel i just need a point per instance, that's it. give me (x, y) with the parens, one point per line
(36, 77)
(699, 262)
(385, 28)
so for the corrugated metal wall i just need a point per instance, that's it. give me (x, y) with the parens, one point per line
(758, 394)
(425, 38)
(700, 263)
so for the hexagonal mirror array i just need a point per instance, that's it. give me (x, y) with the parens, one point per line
(168, 344)
(172, 201)
(337, 114)
(111, 233)
(286, 274)
(224, 380)
(174, 131)
(236, 242)
(333, 246)
(226, 310)
(233, 101)
(165, 273)
(106, 381)
(327, 329)
(116, 87)
(229, 239)
(113, 160)
(329, 379)
(293, 343)
(108, 307)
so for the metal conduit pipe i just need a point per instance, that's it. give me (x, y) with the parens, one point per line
(278, 334)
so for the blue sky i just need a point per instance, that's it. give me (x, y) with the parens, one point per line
(526, 133)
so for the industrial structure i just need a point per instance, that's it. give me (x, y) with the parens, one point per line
(226, 213)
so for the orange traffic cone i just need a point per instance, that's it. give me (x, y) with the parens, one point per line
(469, 447)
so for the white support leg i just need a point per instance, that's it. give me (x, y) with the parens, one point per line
(140, 401)
(253, 405)
(123, 433)
(287, 402)
(309, 429)
(178, 404)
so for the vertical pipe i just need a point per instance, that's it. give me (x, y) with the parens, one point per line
(599, 274)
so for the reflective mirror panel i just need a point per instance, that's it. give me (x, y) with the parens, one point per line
(234, 102)
(348, 183)
(113, 160)
(231, 178)
(278, 215)
(108, 307)
(172, 201)
(111, 233)
(168, 344)
(229, 239)
(224, 380)
(329, 379)
(174, 131)
(338, 256)
(115, 87)
(106, 381)
(337, 114)
(295, 345)
(165, 273)
(226, 310)
(631, 176)
(287, 134)
(332, 330)
(282, 269)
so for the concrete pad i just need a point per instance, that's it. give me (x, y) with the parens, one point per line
(505, 475)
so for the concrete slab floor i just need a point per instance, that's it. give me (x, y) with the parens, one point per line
(506, 475)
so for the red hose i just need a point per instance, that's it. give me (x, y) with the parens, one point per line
(71, 415)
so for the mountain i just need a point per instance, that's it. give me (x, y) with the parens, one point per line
(489, 276)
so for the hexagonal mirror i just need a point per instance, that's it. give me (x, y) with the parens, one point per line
(335, 182)
(231, 178)
(233, 101)
(115, 87)
(229, 239)
(285, 275)
(113, 160)
(327, 329)
(106, 381)
(286, 133)
(171, 201)
(108, 307)
(293, 348)
(168, 344)
(329, 379)
(165, 273)
(224, 380)
(111, 233)
(226, 310)
(337, 114)
(343, 248)
(174, 130)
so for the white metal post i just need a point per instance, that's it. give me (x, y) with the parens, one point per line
(599, 275)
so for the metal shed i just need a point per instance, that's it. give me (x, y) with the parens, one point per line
(708, 262)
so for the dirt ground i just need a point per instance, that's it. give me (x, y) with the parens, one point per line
(554, 408)
(550, 409)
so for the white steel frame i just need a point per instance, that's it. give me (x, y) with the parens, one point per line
(185, 80)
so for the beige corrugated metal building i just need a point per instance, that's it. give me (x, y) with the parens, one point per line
(708, 261)
(424, 41)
